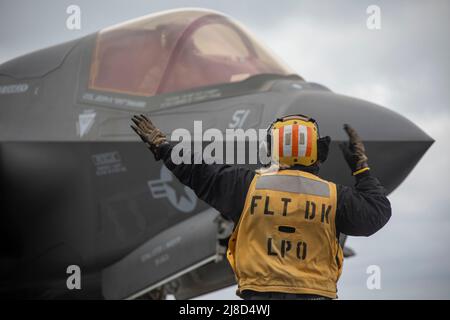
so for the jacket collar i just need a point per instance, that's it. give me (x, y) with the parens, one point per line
(314, 169)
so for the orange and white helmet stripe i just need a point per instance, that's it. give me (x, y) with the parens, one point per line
(294, 142)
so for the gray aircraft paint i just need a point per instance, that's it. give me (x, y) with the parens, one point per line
(75, 216)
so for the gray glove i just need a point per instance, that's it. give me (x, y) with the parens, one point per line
(150, 135)
(354, 151)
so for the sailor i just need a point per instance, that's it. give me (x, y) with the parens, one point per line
(285, 244)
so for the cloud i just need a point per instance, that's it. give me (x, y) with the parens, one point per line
(401, 67)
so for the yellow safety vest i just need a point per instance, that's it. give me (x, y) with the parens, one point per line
(285, 240)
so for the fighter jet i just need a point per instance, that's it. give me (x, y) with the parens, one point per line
(86, 211)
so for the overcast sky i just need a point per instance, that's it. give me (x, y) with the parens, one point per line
(404, 66)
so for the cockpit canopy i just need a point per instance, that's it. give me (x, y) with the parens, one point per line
(177, 50)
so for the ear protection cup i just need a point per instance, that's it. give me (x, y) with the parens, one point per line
(264, 153)
(323, 146)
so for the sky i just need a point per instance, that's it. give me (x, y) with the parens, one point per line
(403, 66)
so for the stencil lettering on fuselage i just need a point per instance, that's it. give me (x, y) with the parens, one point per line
(108, 163)
(14, 88)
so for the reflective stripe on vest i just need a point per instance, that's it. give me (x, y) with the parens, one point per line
(285, 240)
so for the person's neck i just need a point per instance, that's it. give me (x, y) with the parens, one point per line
(314, 169)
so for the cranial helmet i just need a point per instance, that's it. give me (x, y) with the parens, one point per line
(295, 140)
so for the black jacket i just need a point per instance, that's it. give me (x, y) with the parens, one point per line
(361, 211)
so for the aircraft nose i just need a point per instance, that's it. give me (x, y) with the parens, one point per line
(393, 143)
